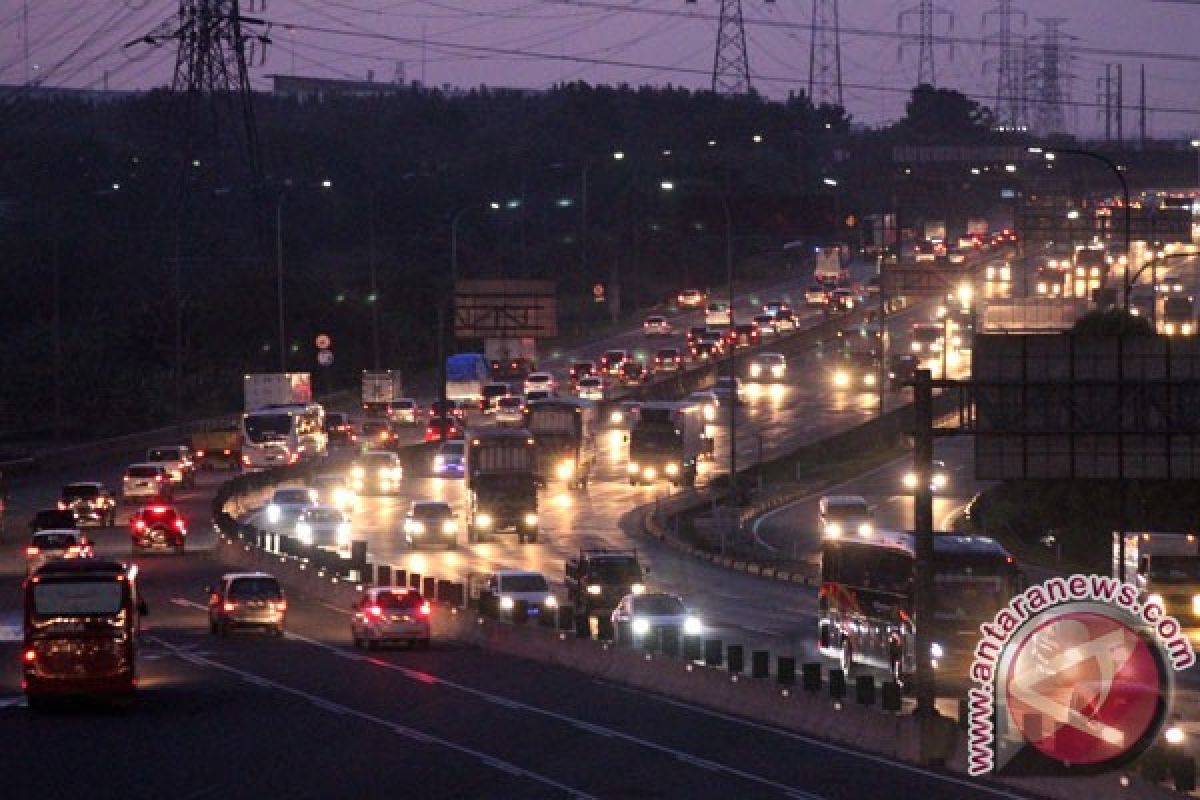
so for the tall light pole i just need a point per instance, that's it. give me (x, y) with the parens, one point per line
(1196, 147)
(287, 184)
(617, 155)
(374, 297)
(1050, 153)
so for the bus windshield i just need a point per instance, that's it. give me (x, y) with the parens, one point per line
(78, 598)
(963, 596)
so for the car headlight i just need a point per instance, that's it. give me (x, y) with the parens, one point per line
(483, 520)
(638, 588)
(1158, 599)
(869, 379)
(1169, 328)
(343, 532)
(936, 651)
(841, 378)
(755, 370)
(439, 463)
(692, 626)
(640, 626)
(616, 417)
(833, 530)
(1186, 329)
(385, 473)
(632, 468)
(777, 371)
(939, 480)
(531, 519)
(358, 472)
(304, 533)
(550, 602)
(671, 469)
(506, 603)
(710, 413)
(594, 588)
(916, 347)
(565, 469)
(910, 480)
(274, 513)
(865, 529)
(449, 526)
(414, 526)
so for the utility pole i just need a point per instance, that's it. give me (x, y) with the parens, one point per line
(926, 691)
(57, 336)
(1120, 105)
(1142, 111)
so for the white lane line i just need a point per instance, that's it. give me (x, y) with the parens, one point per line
(819, 743)
(337, 708)
(16, 701)
(11, 633)
(424, 677)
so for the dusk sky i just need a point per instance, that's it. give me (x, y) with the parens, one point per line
(537, 43)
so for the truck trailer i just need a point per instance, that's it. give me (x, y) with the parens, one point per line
(564, 433)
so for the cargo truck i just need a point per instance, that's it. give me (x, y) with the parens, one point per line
(564, 434)
(380, 391)
(1165, 567)
(667, 441)
(265, 389)
(510, 360)
(466, 375)
(501, 483)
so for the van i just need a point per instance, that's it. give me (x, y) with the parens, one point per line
(717, 314)
(845, 514)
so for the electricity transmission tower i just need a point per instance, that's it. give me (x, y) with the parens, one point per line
(925, 12)
(731, 61)
(1006, 62)
(825, 54)
(1049, 75)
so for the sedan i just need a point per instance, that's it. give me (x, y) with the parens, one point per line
(691, 298)
(450, 459)
(643, 617)
(512, 586)
(91, 502)
(591, 388)
(377, 471)
(938, 482)
(431, 522)
(323, 526)
(46, 546)
(391, 615)
(657, 325)
(540, 380)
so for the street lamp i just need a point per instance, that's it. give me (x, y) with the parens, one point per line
(1196, 147)
(617, 155)
(1049, 155)
(287, 184)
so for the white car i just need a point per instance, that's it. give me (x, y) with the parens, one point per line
(938, 482)
(431, 522)
(768, 367)
(727, 390)
(177, 461)
(691, 298)
(708, 403)
(641, 616)
(450, 459)
(509, 410)
(333, 490)
(510, 586)
(591, 387)
(50, 545)
(405, 411)
(286, 505)
(146, 482)
(391, 615)
(323, 526)
(539, 380)
(657, 325)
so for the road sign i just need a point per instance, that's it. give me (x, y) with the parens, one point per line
(925, 279)
(323, 341)
(500, 309)
(325, 358)
(598, 292)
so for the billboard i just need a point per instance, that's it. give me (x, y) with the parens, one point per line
(929, 279)
(505, 309)
(1089, 407)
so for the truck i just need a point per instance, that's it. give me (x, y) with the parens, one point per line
(977, 228)
(1165, 567)
(466, 374)
(263, 389)
(667, 440)
(501, 482)
(597, 579)
(218, 447)
(1178, 315)
(828, 268)
(935, 230)
(564, 434)
(510, 360)
(380, 390)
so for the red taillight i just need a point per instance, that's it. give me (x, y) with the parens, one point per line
(293, 458)
(158, 478)
(31, 551)
(229, 605)
(246, 460)
(225, 452)
(373, 611)
(62, 506)
(157, 509)
(139, 525)
(30, 656)
(200, 453)
(179, 524)
(425, 609)
(278, 605)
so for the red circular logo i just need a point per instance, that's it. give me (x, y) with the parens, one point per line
(1085, 688)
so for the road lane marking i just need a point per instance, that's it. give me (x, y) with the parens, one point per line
(16, 701)
(849, 751)
(337, 708)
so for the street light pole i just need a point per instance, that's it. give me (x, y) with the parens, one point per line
(733, 412)
(374, 281)
(279, 277)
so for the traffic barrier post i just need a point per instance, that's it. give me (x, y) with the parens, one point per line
(811, 676)
(414, 581)
(864, 690)
(837, 683)
(520, 612)
(693, 648)
(383, 575)
(1183, 771)
(713, 652)
(400, 577)
(760, 664)
(358, 553)
(1153, 764)
(785, 671)
(892, 697)
(735, 659)
(429, 588)
(566, 618)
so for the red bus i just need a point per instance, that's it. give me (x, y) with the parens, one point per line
(81, 619)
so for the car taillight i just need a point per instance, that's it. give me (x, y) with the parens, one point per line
(225, 452)
(139, 525)
(278, 605)
(62, 506)
(179, 524)
(74, 550)
(30, 656)
(158, 478)
(229, 605)
(200, 453)
(293, 458)
(425, 609)
(373, 611)
(246, 460)
(31, 551)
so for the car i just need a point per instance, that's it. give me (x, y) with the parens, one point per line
(540, 380)
(491, 393)
(340, 429)
(691, 298)
(533, 395)
(148, 482)
(246, 600)
(840, 513)
(405, 411)
(440, 428)
(695, 333)
(450, 460)
(727, 390)
(939, 478)
(768, 367)
(391, 615)
(323, 526)
(91, 502)
(582, 369)
(598, 578)
(591, 387)
(513, 587)
(451, 408)
(285, 506)
(645, 617)
(707, 351)
(612, 360)
(625, 413)
(376, 433)
(158, 527)
(48, 545)
(333, 489)
(668, 359)
(177, 461)
(856, 370)
(431, 522)
(657, 325)
(998, 272)
(376, 471)
(708, 403)
(785, 320)
(745, 335)
(509, 410)
(765, 323)
(902, 369)
(816, 295)
(924, 251)
(842, 300)
(716, 314)
(632, 373)
(927, 337)
(53, 519)
(773, 307)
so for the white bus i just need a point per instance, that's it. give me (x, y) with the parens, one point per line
(279, 435)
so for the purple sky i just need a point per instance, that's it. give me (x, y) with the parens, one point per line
(536, 43)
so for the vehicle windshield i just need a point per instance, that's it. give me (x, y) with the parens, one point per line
(452, 449)
(962, 596)
(255, 589)
(55, 541)
(495, 390)
(869, 567)
(1175, 569)
(143, 472)
(78, 598)
(53, 518)
(268, 427)
(80, 491)
(378, 460)
(509, 402)
(590, 382)
(523, 583)
(771, 360)
(405, 405)
(160, 513)
(611, 570)
(165, 454)
(538, 378)
(658, 605)
(848, 511)
(335, 418)
(374, 427)
(427, 510)
(1177, 306)
(324, 516)
(398, 599)
(298, 496)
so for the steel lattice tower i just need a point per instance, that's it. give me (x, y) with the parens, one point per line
(1006, 62)
(1050, 73)
(926, 12)
(825, 55)
(731, 63)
